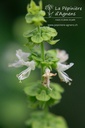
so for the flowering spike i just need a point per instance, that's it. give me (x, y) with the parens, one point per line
(37, 35)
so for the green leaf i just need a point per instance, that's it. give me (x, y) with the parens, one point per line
(37, 38)
(55, 95)
(36, 125)
(52, 102)
(51, 56)
(42, 96)
(37, 58)
(40, 119)
(35, 14)
(46, 36)
(61, 122)
(38, 18)
(33, 8)
(32, 90)
(42, 13)
(52, 31)
(52, 42)
(40, 4)
(57, 87)
(28, 34)
(29, 18)
(48, 30)
(32, 102)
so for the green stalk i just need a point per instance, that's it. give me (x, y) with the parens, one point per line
(42, 55)
(43, 58)
(42, 51)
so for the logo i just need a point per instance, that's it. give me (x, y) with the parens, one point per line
(49, 9)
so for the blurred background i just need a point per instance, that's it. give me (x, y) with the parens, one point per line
(13, 103)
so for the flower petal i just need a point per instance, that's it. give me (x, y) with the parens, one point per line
(17, 64)
(24, 74)
(22, 55)
(63, 67)
(32, 65)
(62, 55)
(64, 77)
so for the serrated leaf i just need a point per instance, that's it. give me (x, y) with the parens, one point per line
(42, 96)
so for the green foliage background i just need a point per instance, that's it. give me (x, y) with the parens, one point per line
(13, 106)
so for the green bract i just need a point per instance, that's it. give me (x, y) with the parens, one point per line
(43, 95)
(35, 14)
(49, 31)
(46, 120)
(37, 38)
(43, 34)
(52, 42)
(33, 8)
(38, 19)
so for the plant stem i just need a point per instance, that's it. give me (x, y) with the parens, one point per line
(43, 58)
(42, 51)
(42, 55)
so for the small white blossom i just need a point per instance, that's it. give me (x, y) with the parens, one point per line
(62, 75)
(61, 66)
(22, 57)
(24, 74)
(62, 55)
(47, 76)
(23, 61)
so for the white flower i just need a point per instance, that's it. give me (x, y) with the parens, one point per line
(24, 74)
(61, 66)
(23, 61)
(62, 75)
(22, 57)
(47, 76)
(62, 55)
